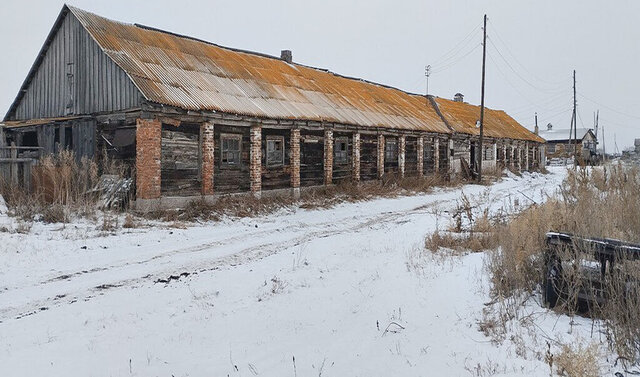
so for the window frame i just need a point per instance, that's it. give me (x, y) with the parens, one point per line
(387, 151)
(274, 138)
(341, 161)
(225, 164)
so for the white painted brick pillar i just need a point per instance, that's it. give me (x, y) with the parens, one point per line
(381, 146)
(420, 151)
(355, 157)
(255, 160)
(436, 155)
(401, 150)
(328, 156)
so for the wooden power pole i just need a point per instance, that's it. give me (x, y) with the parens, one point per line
(484, 59)
(575, 124)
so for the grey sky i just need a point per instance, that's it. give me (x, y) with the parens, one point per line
(391, 41)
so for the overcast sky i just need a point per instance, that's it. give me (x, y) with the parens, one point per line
(533, 47)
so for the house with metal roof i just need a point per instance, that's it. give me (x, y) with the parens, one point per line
(560, 143)
(192, 118)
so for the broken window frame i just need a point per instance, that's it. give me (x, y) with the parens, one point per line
(236, 162)
(274, 157)
(488, 153)
(341, 156)
(391, 150)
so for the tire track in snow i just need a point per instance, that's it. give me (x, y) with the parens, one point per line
(63, 295)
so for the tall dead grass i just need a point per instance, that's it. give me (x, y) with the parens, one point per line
(600, 202)
(61, 186)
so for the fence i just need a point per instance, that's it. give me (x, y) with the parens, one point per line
(16, 164)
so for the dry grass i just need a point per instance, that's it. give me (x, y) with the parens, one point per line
(60, 186)
(578, 360)
(598, 203)
(246, 205)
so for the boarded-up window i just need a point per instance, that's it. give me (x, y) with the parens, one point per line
(275, 150)
(488, 153)
(391, 150)
(180, 175)
(340, 151)
(230, 150)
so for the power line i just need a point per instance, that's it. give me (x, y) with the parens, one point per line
(497, 34)
(466, 39)
(608, 107)
(442, 69)
(518, 74)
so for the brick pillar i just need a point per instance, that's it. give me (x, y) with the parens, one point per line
(380, 156)
(513, 160)
(355, 158)
(436, 155)
(148, 158)
(526, 156)
(420, 152)
(328, 157)
(206, 132)
(295, 162)
(401, 149)
(255, 160)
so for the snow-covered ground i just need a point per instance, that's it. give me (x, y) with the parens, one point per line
(346, 291)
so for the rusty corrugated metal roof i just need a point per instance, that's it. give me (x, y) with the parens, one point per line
(195, 75)
(462, 117)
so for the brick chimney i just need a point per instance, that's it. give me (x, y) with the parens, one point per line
(286, 56)
(537, 130)
(458, 97)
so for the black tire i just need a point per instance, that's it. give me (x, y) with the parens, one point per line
(550, 291)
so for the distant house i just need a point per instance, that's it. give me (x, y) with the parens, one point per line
(560, 143)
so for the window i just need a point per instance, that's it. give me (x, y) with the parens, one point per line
(230, 148)
(551, 148)
(340, 151)
(275, 150)
(391, 150)
(488, 153)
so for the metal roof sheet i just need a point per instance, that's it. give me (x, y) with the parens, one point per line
(195, 75)
(462, 117)
(563, 134)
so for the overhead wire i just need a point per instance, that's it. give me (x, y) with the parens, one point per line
(495, 31)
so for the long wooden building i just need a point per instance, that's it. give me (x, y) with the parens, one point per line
(195, 119)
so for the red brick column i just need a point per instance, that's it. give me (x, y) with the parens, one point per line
(420, 151)
(148, 158)
(355, 158)
(255, 160)
(380, 156)
(401, 151)
(206, 132)
(328, 157)
(295, 161)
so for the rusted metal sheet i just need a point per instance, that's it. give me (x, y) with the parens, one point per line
(463, 117)
(194, 75)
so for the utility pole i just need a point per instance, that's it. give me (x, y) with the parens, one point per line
(575, 124)
(484, 59)
(427, 72)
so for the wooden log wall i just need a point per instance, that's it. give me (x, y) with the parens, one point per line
(276, 176)
(411, 157)
(231, 179)
(368, 157)
(311, 158)
(342, 170)
(180, 161)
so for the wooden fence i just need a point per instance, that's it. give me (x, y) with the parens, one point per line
(16, 164)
